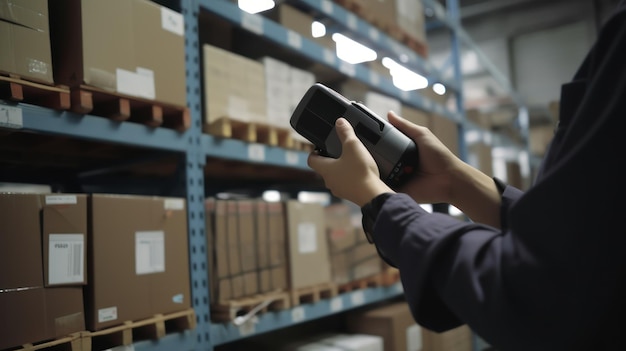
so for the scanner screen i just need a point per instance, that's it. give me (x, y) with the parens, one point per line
(325, 107)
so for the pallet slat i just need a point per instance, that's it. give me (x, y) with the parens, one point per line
(312, 294)
(227, 311)
(252, 132)
(16, 89)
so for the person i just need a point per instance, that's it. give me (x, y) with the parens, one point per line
(543, 269)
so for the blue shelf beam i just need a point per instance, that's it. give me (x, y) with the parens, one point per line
(43, 120)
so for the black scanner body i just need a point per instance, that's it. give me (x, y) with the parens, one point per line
(314, 118)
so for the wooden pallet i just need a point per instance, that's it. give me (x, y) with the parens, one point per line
(99, 102)
(229, 310)
(387, 277)
(252, 132)
(131, 331)
(71, 342)
(16, 89)
(312, 294)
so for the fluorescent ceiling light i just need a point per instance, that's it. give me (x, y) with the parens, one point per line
(318, 29)
(403, 78)
(271, 195)
(439, 88)
(351, 51)
(255, 6)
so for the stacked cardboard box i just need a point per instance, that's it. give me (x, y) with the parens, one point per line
(246, 248)
(138, 259)
(42, 266)
(447, 131)
(415, 116)
(25, 39)
(299, 22)
(133, 48)
(394, 323)
(234, 87)
(352, 256)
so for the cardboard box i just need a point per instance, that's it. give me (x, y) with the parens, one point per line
(416, 116)
(278, 244)
(31, 312)
(539, 138)
(447, 131)
(365, 261)
(309, 261)
(392, 322)
(457, 339)
(25, 40)
(299, 22)
(132, 47)
(514, 174)
(479, 156)
(405, 14)
(234, 87)
(232, 233)
(248, 246)
(139, 259)
(339, 229)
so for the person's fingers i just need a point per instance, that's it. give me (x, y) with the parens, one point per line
(317, 162)
(406, 127)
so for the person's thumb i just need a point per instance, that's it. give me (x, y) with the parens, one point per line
(403, 125)
(344, 130)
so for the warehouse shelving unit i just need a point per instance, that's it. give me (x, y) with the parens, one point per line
(195, 147)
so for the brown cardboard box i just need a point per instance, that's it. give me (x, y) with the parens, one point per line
(25, 39)
(299, 22)
(481, 158)
(30, 312)
(140, 54)
(447, 131)
(64, 239)
(406, 14)
(248, 246)
(263, 245)
(234, 255)
(278, 241)
(393, 322)
(339, 230)
(514, 174)
(539, 138)
(340, 263)
(139, 260)
(309, 261)
(415, 116)
(365, 261)
(457, 339)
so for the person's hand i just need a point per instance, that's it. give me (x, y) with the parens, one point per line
(353, 176)
(437, 167)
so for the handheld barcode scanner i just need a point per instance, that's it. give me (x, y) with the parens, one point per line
(314, 118)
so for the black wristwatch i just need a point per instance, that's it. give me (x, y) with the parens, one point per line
(369, 213)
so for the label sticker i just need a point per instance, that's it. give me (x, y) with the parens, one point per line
(405, 95)
(253, 23)
(66, 254)
(336, 304)
(172, 21)
(61, 200)
(174, 204)
(357, 298)
(307, 237)
(178, 298)
(329, 57)
(413, 338)
(292, 158)
(374, 34)
(36, 66)
(374, 78)
(351, 21)
(347, 68)
(149, 252)
(327, 7)
(107, 314)
(298, 314)
(256, 152)
(294, 39)
(11, 117)
(139, 83)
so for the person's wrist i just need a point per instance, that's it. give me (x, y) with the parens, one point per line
(370, 190)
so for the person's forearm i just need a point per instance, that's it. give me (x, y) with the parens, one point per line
(476, 194)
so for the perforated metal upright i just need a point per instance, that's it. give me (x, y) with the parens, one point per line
(195, 161)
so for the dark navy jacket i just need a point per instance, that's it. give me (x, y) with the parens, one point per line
(554, 277)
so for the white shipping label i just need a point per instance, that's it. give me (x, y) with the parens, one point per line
(413, 338)
(174, 204)
(172, 21)
(336, 304)
(66, 254)
(251, 22)
(357, 298)
(329, 57)
(374, 34)
(61, 200)
(107, 314)
(294, 39)
(352, 21)
(256, 152)
(149, 252)
(292, 158)
(347, 68)
(140, 83)
(307, 237)
(298, 314)
(374, 78)
(11, 117)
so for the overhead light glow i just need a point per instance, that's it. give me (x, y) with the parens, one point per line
(271, 195)
(318, 29)
(255, 6)
(403, 78)
(351, 51)
(439, 88)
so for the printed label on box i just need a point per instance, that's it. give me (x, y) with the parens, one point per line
(149, 252)
(140, 83)
(172, 21)
(413, 338)
(66, 258)
(107, 314)
(307, 237)
(174, 204)
(61, 200)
